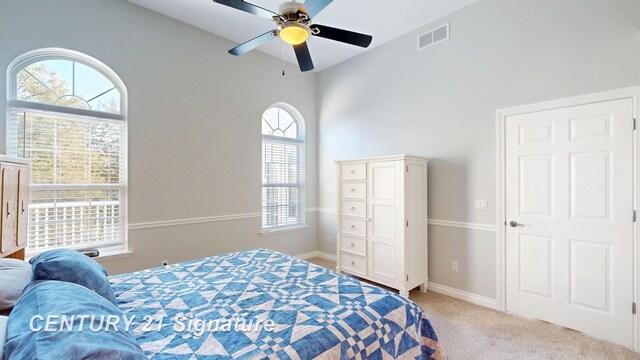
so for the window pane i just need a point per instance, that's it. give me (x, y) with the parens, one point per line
(64, 218)
(67, 83)
(279, 122)
(77, 176)
(281, 206)
(70, 151)
(283, 189)
(282, 170)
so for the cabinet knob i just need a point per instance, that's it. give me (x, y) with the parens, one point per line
(353, 227)
(353, 245)
(353, 208)
(353, 172)
(353, 263)
(353, 190)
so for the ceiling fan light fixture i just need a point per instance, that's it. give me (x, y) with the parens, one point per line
(294, 33)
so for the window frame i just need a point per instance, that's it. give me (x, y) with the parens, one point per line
(12, 104)
(300, 142)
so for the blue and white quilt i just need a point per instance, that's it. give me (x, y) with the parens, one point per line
(263, 304)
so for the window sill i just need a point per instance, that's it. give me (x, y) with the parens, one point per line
(104, 255)
(266, 232)
(116, 254)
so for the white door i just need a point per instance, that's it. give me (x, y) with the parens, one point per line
(385, 221)
(569, 209)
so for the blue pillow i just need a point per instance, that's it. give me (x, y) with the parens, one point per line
(74, 267)
(69, 337)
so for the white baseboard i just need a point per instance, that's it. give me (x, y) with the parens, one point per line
(318, 254)
(465, 296)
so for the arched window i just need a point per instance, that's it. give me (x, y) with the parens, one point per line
(282, 167)
(67, 116)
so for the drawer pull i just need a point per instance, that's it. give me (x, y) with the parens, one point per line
(353, 263)
(353, 227)
(353, 245)
(353, 190)
(353, 208)
(353, 172)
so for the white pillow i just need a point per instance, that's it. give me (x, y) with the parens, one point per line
(15, 275)
(3, 335)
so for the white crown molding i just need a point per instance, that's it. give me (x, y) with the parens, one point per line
(435, 222)
(462, 225)
(212, 219)
(202, 220)
(191, 221)
(464, 296)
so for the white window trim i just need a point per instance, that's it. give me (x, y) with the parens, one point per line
(12, 103)
(300, 140)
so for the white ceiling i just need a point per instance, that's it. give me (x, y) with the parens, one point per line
(384, 19)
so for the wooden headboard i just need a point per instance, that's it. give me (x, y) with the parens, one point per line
(14, 195)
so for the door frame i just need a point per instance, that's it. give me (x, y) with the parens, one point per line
(501, 122)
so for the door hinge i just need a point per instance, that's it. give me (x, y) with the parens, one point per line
(407, 223)
(635, 216)
(633, 308)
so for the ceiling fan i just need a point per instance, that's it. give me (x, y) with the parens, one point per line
(294, 27)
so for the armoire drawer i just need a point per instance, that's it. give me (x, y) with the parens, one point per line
(357, 171)
(353, 208)
(355, 190)
(353, 245)
(353, 226)
(353, 263)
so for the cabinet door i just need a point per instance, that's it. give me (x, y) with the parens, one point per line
(23, 205)
(386, 221)
(9, 207)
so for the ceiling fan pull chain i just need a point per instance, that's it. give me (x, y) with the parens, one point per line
(283, 74)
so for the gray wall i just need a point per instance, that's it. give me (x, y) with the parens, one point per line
(441, 103)
(194, 121)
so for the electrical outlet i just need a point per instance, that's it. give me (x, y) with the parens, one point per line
(165, 262)
(482, 204)
(330, 239)
(454, 266)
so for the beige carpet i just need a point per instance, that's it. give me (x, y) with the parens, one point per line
(469, 331)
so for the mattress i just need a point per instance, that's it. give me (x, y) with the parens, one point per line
(263, 304)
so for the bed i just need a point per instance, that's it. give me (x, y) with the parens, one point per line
(312, 312)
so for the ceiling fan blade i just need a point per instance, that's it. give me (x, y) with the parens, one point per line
(247, 7)
(304, 57)
(344, 36)
(313, 7)
(253, 43)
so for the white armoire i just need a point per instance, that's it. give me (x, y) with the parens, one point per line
(382, 221)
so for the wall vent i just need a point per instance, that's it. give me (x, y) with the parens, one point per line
(433, 37)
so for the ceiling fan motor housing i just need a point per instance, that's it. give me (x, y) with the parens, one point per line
(289, 8)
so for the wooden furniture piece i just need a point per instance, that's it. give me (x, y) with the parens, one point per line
(382, 221)
(14, 198)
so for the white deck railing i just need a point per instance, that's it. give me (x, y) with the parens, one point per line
(72, 224)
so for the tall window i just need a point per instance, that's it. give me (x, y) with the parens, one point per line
(67, 116)
(282, 168)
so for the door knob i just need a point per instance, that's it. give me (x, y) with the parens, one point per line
(515, 224)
